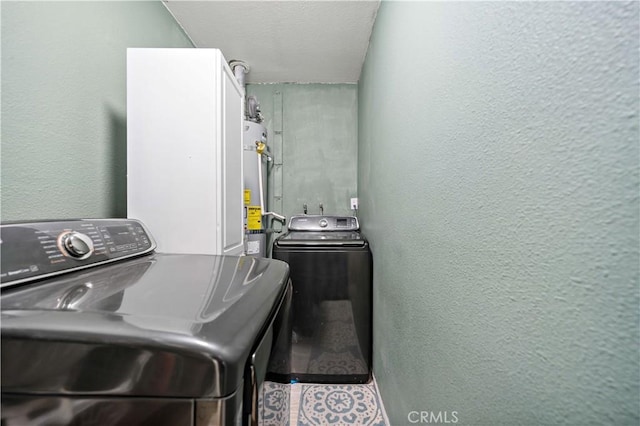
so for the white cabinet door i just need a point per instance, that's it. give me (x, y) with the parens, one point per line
(233, 180)
(183, 151)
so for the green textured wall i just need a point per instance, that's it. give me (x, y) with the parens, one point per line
(317, 146)
(498, 182)
(63, 103)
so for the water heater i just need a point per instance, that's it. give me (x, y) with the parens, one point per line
(256, 158)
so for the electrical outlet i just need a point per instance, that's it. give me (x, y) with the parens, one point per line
(354, 204)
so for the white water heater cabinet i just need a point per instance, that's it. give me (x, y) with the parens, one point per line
(185, 114)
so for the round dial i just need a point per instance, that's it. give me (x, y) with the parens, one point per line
(76, 244)
(323, 223)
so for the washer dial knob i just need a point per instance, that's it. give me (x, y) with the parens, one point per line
(76, 245)
(323, 223)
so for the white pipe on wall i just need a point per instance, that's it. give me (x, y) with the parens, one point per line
(260, 185)
(239, 70)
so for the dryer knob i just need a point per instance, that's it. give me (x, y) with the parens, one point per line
(323, 223)
(77, 245)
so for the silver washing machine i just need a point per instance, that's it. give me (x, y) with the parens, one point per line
(98, 329)
(331, 271)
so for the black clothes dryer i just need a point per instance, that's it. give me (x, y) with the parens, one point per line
(99, 329)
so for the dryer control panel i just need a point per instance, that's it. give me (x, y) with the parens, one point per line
(36, 250)
(323, 223)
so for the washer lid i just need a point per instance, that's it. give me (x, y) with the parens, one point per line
(322, 238)
(161, 325)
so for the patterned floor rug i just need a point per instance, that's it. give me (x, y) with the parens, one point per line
(274, 403)
(320, 405)
(340, 405)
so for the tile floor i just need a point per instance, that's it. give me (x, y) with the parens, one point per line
(302, 404)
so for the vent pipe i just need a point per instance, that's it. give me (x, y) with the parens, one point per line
(240, 68)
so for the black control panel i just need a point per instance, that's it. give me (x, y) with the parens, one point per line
(35, 250)
(323, 223)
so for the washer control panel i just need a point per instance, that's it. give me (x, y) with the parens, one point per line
(323, 223)
(35, 250)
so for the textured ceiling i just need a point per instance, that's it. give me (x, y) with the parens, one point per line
(284, 41)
